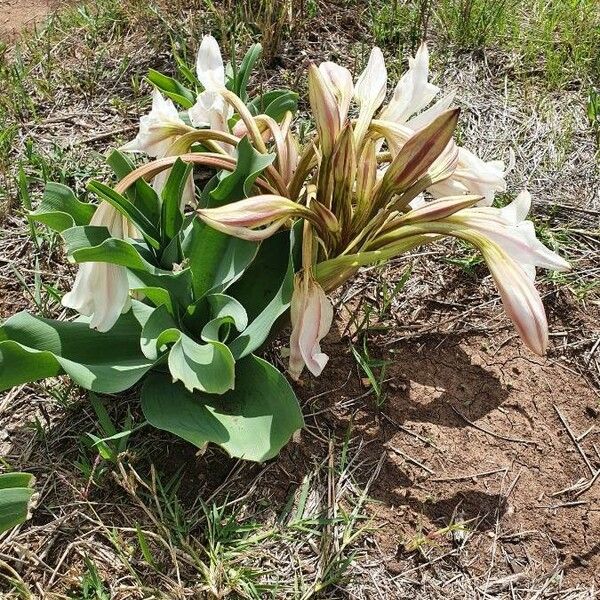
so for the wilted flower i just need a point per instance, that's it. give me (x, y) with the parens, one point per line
(101, 290)
(312, 315)
(242, 218)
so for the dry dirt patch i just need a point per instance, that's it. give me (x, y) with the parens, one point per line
(477, 435)
(16, 15)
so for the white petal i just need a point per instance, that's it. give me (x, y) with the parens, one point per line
(413, 92)
(447, 187)
(434, 111)
(423, 91)
(158, 129)
(521, 302)
(371, 84)
(211, 110)
(311, 315)
(163, 108)
(100, 291)
(209, 64)
(518, 209)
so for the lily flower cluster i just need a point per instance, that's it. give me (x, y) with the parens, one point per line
(375, 180)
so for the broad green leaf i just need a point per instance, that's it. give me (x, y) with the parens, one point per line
(241, 79)
(253, 421)
(33, 348)
(141, 193)
(224, 310)
(127, 209)
(13, 480)
(171, 217)
(158, 322)
(238, 184)
(60, 209)
(172, 88)
(16, 495)
(206, 367)
(169, 288)
(215, 259)
(265, 290)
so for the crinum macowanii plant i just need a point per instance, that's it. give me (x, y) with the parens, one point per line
(180, 282)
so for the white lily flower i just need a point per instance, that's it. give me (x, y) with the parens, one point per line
(211, 109)
(158, 129)
(312, 315)
(475, 176)
(413, 92)
(509, 229)
(101, 290)
(511, 250)
(210, 68)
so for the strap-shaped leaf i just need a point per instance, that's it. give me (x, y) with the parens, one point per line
(253, 421)
(265, 290)
(127, 209)
(171, 216)
(172, 88)
(95, 244)
(141, 193)
(33, 348)
(240, 82)
(60, 209)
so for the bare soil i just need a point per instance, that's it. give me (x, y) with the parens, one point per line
(16, 15)
(472, 433)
